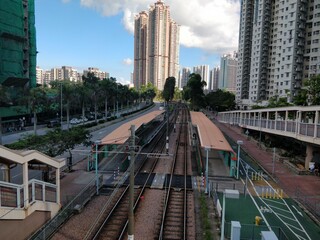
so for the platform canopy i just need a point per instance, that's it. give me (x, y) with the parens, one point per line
(122, 133)
(209, 134)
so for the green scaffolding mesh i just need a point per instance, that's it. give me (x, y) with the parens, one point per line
(17, 44)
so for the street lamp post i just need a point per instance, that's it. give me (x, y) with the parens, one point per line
(97, 142)
(239, 142)
(207, 170)
(228, 193)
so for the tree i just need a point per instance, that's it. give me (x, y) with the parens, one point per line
(301, 99)
(148, 92)
(194, 90)
(55, 142)
(36, 101)
(278, 102)
(81, 96)
(177, 94)
(312, 85)
(92, 83)
(221, 100)
(168, 90)
(106, 91)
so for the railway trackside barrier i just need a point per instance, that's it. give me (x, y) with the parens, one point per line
(52, 226)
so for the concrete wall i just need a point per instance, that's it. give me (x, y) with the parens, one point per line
(22, 229)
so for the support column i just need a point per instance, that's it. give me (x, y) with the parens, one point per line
(316, 120)
(298, 121)
(286, 121)
(267, 123)
(309, 155)
(58, 200)
(25, 185)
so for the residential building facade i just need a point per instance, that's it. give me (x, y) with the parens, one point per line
(156, 46)
(278, 48)
(203, 71)
(39, 75)
(214, 79)
(17, 50)
(227, 73)
(185, 73)
(97, 72)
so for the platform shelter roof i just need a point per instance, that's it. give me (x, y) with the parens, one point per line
(122, 133)
(209, 134)
(20, 157)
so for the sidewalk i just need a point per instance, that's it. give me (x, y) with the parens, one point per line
(304, 188)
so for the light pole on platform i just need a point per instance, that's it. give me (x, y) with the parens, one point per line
(239, 142)
(207, 170)
(97, 142)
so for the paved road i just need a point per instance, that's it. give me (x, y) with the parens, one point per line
(80, 152)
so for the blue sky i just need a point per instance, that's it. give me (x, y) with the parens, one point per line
(99, 33)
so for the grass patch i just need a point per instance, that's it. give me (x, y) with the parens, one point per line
(205, 221)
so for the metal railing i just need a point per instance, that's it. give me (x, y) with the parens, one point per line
(51, 227)
(12, 195)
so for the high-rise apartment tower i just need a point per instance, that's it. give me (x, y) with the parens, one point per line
(203, 71)
(214, 79)
(279, 46)
(17, 49)
(227, 74)
(156, 47)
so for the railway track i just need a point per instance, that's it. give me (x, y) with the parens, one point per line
(115, 223)
(172, 203)
(175, 220)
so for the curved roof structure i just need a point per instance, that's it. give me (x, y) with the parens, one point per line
(122, 133)
(209, 134)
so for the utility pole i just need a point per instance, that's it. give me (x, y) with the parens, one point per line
(131, 187)
(61, 105)
(167, 137)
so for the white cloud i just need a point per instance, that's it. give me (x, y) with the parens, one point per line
(211, 25)
(123, 81)
(127, 61)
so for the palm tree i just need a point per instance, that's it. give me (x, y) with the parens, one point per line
(92, 83)
(81, 96)
(68, 93)
(107, 90)
(36, 100)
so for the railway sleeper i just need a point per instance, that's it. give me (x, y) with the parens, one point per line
(175, 218)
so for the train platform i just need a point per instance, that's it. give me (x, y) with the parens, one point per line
(304, 188)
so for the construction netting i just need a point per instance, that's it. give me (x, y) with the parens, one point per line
(17, 45)
(17, 40)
